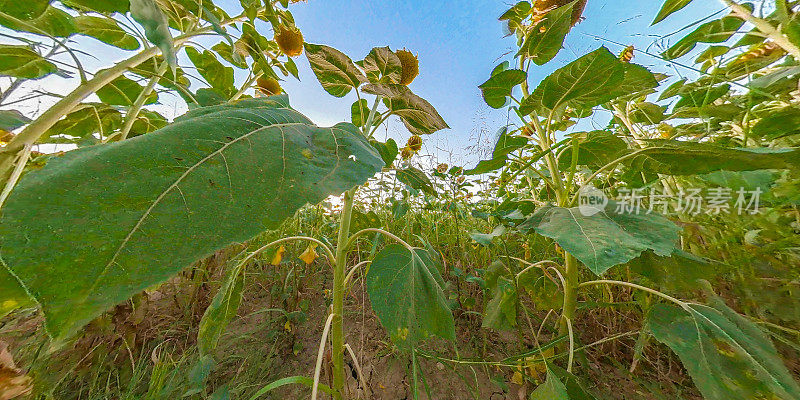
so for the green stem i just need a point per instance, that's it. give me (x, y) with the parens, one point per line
(392, 236)
(337, 331)
(570, 292)
(765, 27)
(552, 165)
(133, 112)
(246, 86)
(683, 304)
(339, 278)
(15, 175)
(40, 125)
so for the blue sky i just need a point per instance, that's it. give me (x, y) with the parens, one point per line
(459, 42)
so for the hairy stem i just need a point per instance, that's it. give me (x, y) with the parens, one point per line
(40, 125)
(570, 292)
(765, 27)
(683, 304)
(337, 332)
(133, 112)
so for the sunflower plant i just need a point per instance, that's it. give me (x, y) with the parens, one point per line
(650, 147)
(140, 198)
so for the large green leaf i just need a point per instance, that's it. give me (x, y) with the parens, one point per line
(123, 91)
(716, 31)
(595, 149)
(86, 120)
(24, 10)
(359, 112)
(156, 28)
(506, 144)
(419, 116)
(727, 355)
(778, 124)
(106, 30)
(672, 157)
(544, 40)
(586, 82)
(12, 295)
(101, 6)
(221, 311)
(636, 82)
(388, 150)
(101, 223)
(22, 62)
(610, 237)
(762, 180)
(551, 389)
(678, 273)
(670, 7)
(382, 66)
(501, 311)
(406, 291)
(417, 179)
(217, 75)
(335, 70)
(53, 22)
(499, 87)
(12, 119)
(147, 121)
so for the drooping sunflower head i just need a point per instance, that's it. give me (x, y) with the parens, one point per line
(289, 40)
(242, 48)
(666, 131)
(577, 11)
(269, 86)
(410, 65)
(441, 168)
(542, 7)
(627, 55)
(528, 130)
(5, 137)
(761, 50)
(414, 143)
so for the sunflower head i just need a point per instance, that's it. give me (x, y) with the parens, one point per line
(242, 48)
(5, 137)
(410, 65)
(528, 130)
(414, 143)
(289, 40)
(627, 55)
(542, 7)
(577, 11)
(269, 86)
(441, 168)
(666, 131)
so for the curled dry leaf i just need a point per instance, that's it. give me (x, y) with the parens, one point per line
(13, 383)
(310, 254)
(276, 259)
